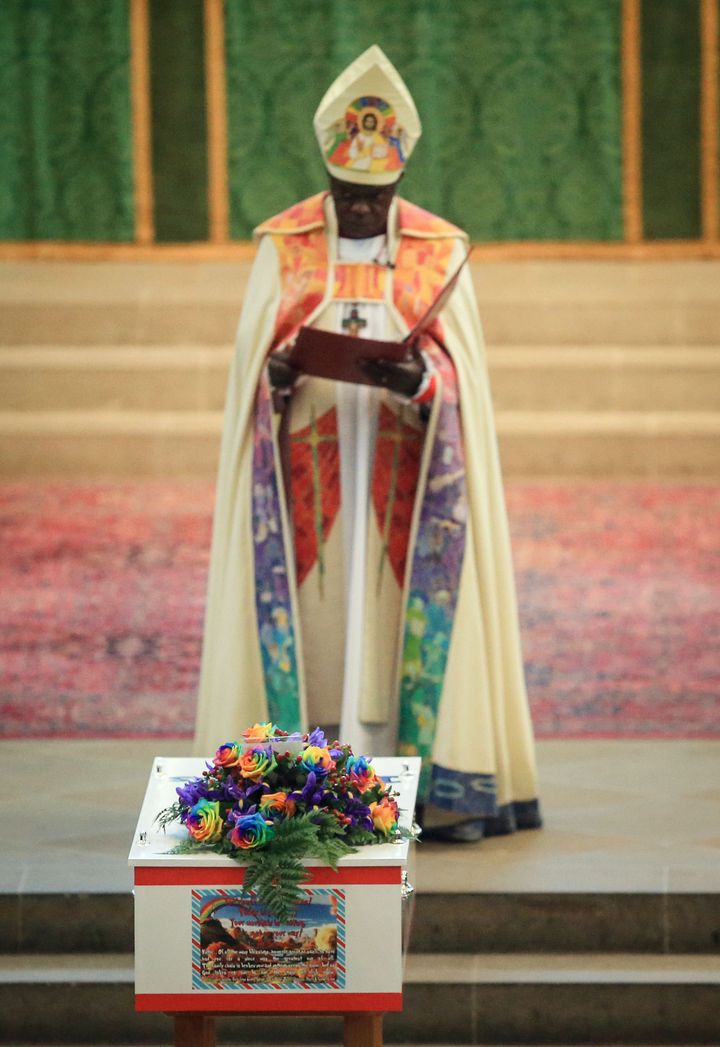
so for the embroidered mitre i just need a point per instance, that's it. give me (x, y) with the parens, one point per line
(367, 124)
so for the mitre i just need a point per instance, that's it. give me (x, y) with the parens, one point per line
(367, 124)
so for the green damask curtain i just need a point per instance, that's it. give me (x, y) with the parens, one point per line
(520, 102)
(65, 120)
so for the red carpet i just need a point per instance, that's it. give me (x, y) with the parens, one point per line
(103, 587)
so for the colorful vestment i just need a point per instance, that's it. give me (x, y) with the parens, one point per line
(436, 663)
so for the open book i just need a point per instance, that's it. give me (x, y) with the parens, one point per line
(326, 354)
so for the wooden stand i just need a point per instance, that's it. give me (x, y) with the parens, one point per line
(363, 1030)
(194, 1030)
(198, 1030)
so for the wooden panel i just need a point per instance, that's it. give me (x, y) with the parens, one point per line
(632, 133)
(218, 201)
(710, 119)
(142, 141)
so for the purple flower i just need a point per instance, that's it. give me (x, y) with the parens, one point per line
(237, 815)
(192, 791)
(317, 737)
(235, 789)
(312, 794)
(358, 814)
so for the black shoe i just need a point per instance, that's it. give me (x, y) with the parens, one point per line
(527, 814)
(503, 823)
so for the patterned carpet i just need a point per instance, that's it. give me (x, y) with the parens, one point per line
(103, 587)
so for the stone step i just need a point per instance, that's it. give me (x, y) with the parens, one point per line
(546, 303)
(109, 443)
(443, 922)
(566, 922)
(637, 444)
(525, 378)
(115, 378)
(605, 378)
(473, 998)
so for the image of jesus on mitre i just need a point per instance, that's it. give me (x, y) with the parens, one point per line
(367, 139)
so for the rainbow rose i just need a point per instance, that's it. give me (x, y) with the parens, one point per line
(251, 830)
(384, 815)
(257, 762)
(259, 732)
(277, 802)
(318, 760)
(361, 771)
(227, 755)
(204, 821)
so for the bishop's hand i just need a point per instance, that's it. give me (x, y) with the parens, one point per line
(281, 372)
(399, 376)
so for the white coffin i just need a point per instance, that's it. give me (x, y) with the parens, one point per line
(342, 952)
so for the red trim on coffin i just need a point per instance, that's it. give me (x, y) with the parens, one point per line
(270, 1003)
(191, 876)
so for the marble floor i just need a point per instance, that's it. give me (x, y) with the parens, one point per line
(620, 816)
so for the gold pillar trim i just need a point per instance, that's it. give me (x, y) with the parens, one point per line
(216, 101)
(709, 119)
(632, 121)
(141, 121)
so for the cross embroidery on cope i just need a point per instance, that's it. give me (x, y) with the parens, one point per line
(394, 484)
(315, 483)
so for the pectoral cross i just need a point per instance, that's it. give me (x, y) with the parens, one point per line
(354, 323)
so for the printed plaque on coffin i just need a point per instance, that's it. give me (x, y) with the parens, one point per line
(237, 944)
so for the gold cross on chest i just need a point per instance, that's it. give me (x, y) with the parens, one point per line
(354, 323)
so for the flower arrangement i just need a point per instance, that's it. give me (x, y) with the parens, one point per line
(277, 798)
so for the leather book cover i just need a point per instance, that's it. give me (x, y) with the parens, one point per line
(329, 355)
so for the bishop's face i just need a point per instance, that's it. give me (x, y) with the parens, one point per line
(361, 210)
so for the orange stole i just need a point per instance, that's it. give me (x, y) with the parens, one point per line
(303, 274)
(421, 271)
(359, 282)
(305, 214)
